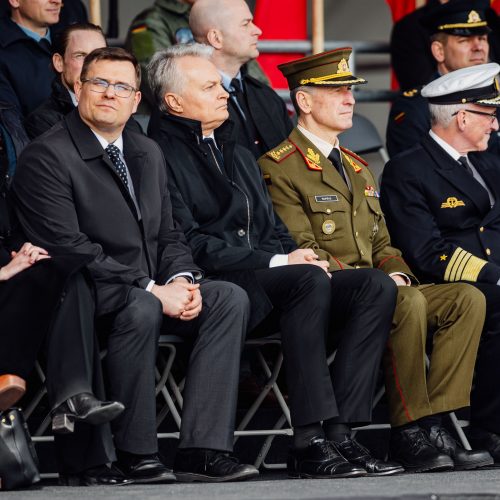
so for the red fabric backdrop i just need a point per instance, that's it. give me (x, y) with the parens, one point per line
(280, 20)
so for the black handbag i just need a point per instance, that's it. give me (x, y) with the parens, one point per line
(18, 458)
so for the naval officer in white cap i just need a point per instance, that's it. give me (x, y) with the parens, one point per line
(441, 200)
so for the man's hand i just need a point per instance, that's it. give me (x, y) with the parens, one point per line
(179, 297)
(26, 257)
(307, 256)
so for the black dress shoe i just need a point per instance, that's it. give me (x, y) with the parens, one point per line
(210, 466)
(320, 459)
(415, 452)
(356, 454)
(96, 476)
(86, 408)
(463, 459)
(145, 469)
(485, 440)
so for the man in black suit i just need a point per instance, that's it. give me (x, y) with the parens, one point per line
(441, 201)
(91, 186)
(261, 115)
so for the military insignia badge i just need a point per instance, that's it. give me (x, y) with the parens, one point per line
(452, 202)
(343, 67)
(370, 192)
(474, 17)
(328, 227)
(281, 153)
(443, 257)
(314, 157)
(410, 93)
(353, 164)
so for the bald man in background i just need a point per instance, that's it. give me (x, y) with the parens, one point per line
(258, 111)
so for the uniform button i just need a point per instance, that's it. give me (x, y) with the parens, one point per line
(356, 267)
(481, 229)
(362, 253)
(328, 210)
(354, 213)
(241, 232)
(356, 234)
(488, 251)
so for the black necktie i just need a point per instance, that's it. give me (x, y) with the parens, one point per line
(465, 163)
(215, 151)
(114, 156)
(335, 158)
(237, 93)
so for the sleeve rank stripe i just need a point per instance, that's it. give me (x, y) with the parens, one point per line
(463, 266)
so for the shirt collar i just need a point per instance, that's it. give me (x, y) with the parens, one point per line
(449, 149)
(34, 35)
(73, 98)
(324, 146)
(226, 80)
(104, 143)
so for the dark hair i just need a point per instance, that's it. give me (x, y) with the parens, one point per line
(61, 39)
(111, 54)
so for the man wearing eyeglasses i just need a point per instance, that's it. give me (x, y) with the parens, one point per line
(91, 186)
(441, 202)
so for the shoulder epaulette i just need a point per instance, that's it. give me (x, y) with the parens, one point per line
(354, 155)
(282, 151)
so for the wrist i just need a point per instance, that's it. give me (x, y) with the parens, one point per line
(3, 274)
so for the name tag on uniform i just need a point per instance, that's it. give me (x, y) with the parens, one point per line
(326, 198)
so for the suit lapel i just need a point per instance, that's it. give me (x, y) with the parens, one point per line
(358, 183)
(456, 175)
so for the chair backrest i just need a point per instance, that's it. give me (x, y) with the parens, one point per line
(362, 137)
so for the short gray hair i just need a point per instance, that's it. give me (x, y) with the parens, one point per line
(163, 74)
(442, 114)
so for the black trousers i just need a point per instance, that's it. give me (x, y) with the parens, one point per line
(485, 398)
(353, 311)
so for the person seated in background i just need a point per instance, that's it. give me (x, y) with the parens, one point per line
(70, 47)
(25, 52)
(160, 26)
(459, 40)
(441, 202)
(221, 202)
(260, 114)
(328, 198)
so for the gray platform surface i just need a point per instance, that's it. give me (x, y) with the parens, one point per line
(480, 485)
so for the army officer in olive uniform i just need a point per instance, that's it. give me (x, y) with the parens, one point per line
(327, 197)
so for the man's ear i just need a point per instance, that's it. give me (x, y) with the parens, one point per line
(57, 61)
(437, 50)
(174, 102)
(77, 89)
(14, 4)
(215, 38)
(304, 101)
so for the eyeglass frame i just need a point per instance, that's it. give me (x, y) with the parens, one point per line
(493, 116)
(125, 86)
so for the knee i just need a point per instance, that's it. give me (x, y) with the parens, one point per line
(382, 285)
(314, 278)
(411, 302)
(470, 297)
(144, 311)
(233, 296)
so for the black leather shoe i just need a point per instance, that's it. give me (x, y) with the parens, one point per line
(145, 469)
(86, 408)
(320, 459)
(357, 454)
(463, 459)
(210, 466)
(415, 452)
(97, 476)
(485, 440)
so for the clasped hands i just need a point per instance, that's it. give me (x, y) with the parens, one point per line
(180, 299)
(27, 255)
(308, 256)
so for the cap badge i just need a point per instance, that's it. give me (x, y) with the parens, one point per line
(474, 17)
(343, 67)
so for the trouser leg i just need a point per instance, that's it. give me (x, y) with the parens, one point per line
(485, 398)
(363, 302)
(70, 344)
(301, 296)
(454, 312)
(132, 341)
(211, 389)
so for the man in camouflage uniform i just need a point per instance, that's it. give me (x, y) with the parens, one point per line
(327, 197)
(158, 27)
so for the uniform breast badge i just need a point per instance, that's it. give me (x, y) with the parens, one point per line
(328, 227)
(370, 192)
(452, 202)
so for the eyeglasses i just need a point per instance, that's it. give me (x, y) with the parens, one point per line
(100, 86)
(492, 116)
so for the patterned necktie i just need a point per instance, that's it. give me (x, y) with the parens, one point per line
(335, 158)
(114, 156)
(465, 163)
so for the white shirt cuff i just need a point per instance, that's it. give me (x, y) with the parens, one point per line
(278, 260)
(150, 286)
(404, 276)
(179, 275)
